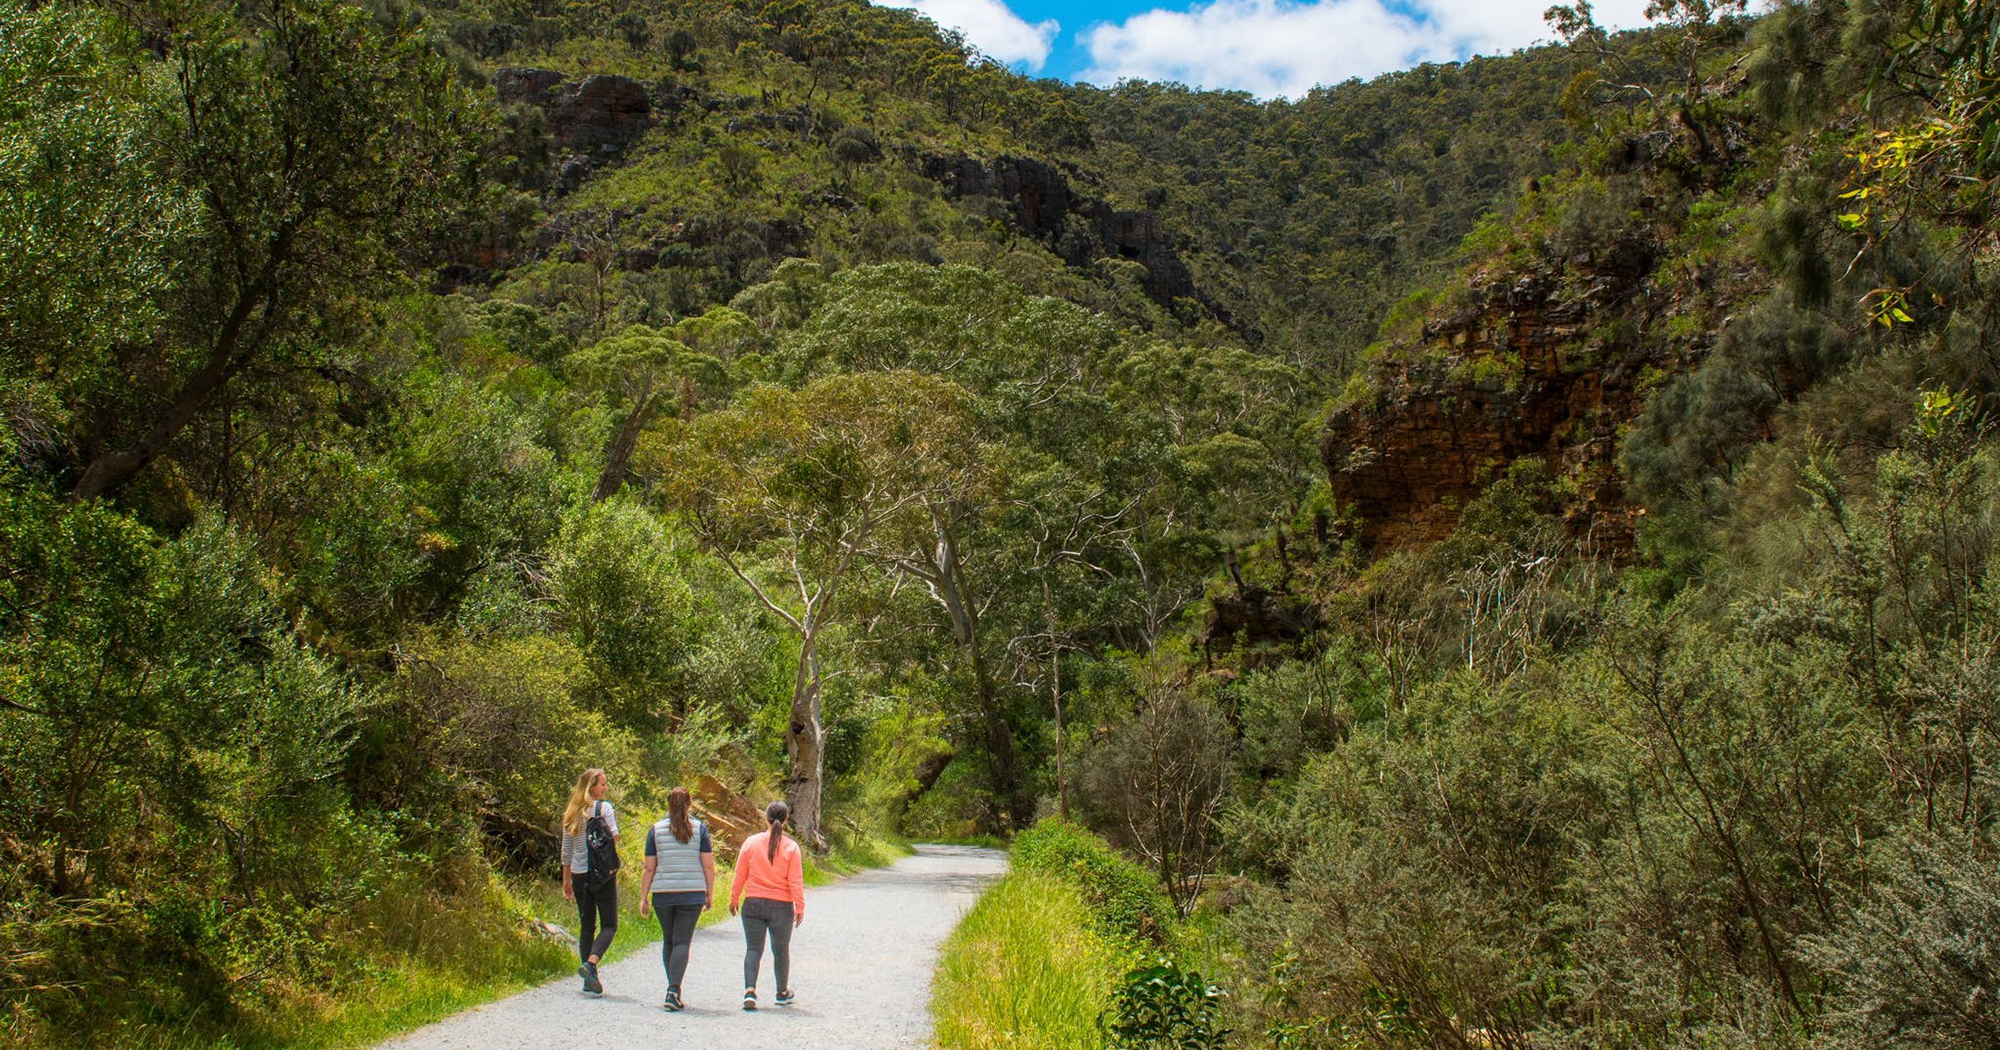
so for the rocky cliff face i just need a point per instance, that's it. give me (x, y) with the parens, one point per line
(1550, 359)
(1548, 362)
(1078, 227)
(596, 115)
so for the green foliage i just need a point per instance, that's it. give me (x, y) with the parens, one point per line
(1162, 1005)
(316, 173)
(90, 239)
(1695, 430)
(617, 576)
(1297, 709)
(1025, 967)
(1916, 964)
(1125, 901)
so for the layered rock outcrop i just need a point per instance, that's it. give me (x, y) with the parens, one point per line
(1548, 363)
(598, 114)
(1044, 205)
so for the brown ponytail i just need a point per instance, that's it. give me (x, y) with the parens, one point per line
(677, 814)
(777, 813)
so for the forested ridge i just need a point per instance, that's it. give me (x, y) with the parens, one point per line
(1497, 551)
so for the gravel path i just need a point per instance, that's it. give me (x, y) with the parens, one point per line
(861, 965)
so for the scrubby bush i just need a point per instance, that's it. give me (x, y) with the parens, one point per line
(1157, 782)
(1917, 966)
(1124, 898)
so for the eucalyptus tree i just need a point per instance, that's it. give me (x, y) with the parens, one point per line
(1026, 361)
(1096, 449)
(790, 489)
(322, 147)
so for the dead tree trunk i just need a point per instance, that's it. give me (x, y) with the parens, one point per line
(618, 457)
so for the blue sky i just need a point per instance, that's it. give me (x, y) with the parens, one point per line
(1270, 48)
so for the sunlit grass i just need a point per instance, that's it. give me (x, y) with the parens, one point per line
(1024, 971)
(852, 853)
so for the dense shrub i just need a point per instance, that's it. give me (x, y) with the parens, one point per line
(1918, 964)
(1124, 898)
(1157, 782)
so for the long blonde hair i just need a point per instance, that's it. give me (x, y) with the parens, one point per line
(580, 800)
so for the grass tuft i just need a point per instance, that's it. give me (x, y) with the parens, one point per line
(1025, 970)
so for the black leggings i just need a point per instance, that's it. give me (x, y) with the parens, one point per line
(676, 934)
(761, 916)
(595, 905)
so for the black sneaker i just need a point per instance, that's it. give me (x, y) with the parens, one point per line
(673, 1003)
(749, 998)
(591, 985)
(786, 998)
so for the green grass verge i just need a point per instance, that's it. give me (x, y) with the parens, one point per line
(474, 951)
(853, 853)
(1025, 970)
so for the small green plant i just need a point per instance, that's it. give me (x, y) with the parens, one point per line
(1504, 370)
(1162, 1005)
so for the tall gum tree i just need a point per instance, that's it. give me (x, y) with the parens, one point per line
(789, 488)
(1089, 441)
(324, 148)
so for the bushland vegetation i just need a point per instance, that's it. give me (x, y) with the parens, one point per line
(370, 463)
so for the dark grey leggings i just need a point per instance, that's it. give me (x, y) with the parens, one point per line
(676, 933)
(762, 916)
(595, 905)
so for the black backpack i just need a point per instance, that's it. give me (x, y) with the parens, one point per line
(603, 848)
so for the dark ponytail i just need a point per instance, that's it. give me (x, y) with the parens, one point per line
(777, 813)
(677, 814)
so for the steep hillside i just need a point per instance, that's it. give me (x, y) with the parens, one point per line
(1622, 719)
(1310, 218)
(1604, 286)
(850, 134)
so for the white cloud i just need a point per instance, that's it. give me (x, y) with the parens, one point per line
(1487, 27)
(1286, 47)
(991, 26)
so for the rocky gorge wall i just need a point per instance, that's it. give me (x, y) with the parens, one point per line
(596, 120)
(1549, 361)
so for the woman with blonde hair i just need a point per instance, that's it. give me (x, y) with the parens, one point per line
(770, 888)
(680, 884)
(590, 829)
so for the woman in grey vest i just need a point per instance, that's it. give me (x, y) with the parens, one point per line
(680, 884)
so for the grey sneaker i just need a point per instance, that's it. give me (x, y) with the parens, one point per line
(749, 998)
(786, 998)
(673, 1003)
(591, 985)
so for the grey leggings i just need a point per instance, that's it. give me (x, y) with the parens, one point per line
(676, 934)
(761, 916)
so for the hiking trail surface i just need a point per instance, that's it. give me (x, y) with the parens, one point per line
(861, 965)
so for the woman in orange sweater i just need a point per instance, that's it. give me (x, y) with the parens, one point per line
(771, 869)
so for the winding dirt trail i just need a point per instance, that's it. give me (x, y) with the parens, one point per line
(861, 965)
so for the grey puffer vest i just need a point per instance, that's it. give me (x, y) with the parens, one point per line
(679, 869)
